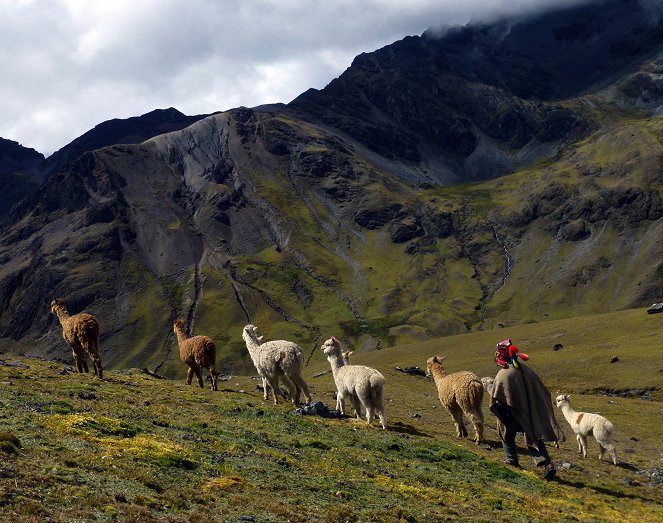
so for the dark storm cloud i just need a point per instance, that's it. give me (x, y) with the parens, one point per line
(69, 65)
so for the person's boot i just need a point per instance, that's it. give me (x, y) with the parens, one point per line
(549, 472)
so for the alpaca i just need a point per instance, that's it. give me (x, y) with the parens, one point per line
(196, 352)
(488, 384)
(81, 332)
(274, 360)
(362, 385)
(461, 393)
(585, 423)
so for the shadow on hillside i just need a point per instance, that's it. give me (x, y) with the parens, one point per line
(613, 492)
(407, 429)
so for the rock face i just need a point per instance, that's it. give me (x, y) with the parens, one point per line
(24, 169)
(331, 214)
(16, 166)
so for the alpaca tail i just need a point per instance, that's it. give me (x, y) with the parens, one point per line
(476, 391)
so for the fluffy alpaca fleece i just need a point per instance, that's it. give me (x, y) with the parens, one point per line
(81, 332)
(197, 352)
(362, 385)
(461, 393)
(585, 423)
(274, 360)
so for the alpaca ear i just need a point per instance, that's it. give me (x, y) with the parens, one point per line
(440, 358)
(351, 353)
(260, 338)
(334, 339)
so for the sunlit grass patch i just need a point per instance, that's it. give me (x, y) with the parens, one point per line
(162, 453)
(224, 483)
(91, 425)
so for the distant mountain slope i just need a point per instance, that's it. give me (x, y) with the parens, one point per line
(330, 215)
(16, 164)
(25, 177)
(481, 100)
(135, 129)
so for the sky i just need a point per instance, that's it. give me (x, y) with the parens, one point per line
(68, 65)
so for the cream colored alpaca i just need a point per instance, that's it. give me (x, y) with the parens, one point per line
(362, 385)
(197, 352)
(81, 332)
(461, 393)
(274, 360)
(585, 423)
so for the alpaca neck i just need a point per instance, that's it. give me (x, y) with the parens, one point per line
(62, 314)
(336, 362)
(568, 412)
(181, 336)
(437, 371)
(251, 344)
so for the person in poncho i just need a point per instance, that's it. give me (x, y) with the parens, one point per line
(522, 403)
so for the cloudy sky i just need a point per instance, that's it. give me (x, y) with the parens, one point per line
(67, 65)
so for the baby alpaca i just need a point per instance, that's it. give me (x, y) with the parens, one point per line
(362, 385)
(81, 332)
(196, 352)
(461, 393)
(585, 423)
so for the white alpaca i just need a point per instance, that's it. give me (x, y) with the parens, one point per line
(488, 384)
(362, 385)
(277, 359)
(585, 423)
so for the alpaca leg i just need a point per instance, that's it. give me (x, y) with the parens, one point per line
(265, 393)
(383, 418)
(199, 375)
(601, 450)
(274, 384)
(583, 444)
(292, 390)
(340, 403)
(457, 414)
(215, 375)
(356, 404)
(382, 415)
(477, 423)
(78, 361)
(301, 384)
(85, 367)
(96, 364)
(189, 376)
(370, 414)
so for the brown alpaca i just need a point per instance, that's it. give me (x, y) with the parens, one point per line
(461, 393)
(81, 332)
(196, 352)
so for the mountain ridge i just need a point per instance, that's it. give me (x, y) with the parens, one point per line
(303, 219)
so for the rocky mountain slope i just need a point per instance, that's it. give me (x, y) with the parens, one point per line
(334, 214)
(16, 165)
(23, 171)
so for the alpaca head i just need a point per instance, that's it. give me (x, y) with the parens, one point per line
(331, 347)
(252, 332)
(346, 356)
(561, 399)
(57, 303)
(435, 360)
(178, 326)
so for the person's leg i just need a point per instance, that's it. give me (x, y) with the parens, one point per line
(509, 440)
(541, 458)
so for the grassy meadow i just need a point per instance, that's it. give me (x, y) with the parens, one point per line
(137, 448)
